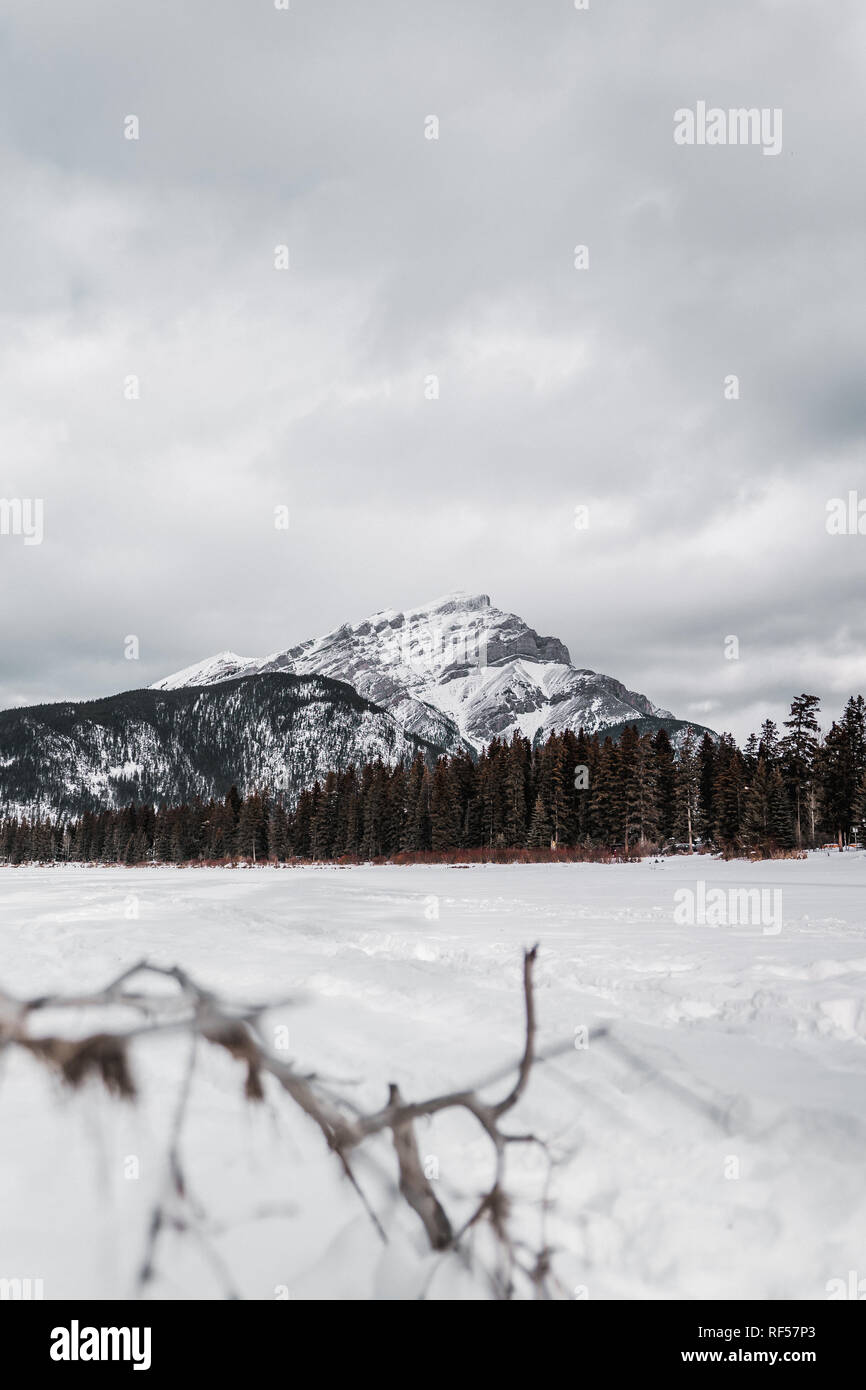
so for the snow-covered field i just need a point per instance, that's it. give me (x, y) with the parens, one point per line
(722, 1157)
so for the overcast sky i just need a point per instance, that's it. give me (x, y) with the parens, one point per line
(410, 257)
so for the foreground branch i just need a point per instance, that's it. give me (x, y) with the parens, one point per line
(200, 1014)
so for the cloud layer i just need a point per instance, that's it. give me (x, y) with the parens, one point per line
(410, 258)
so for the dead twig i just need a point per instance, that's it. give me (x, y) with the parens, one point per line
(199, 1013)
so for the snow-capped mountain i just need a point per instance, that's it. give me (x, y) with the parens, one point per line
(272, 730)
(450, 675)
(457, 672)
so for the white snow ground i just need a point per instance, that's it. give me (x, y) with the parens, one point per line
(750, 1055)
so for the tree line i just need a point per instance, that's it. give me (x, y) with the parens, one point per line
(784, 790)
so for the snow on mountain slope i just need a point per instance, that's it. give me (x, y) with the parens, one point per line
(457, 671)
(279, 731)
(225, 666)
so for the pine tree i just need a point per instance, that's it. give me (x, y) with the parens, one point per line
(706, 788)
(585, 756)
(278, 833)
(687, 786)
(250, 841)
(860, 811)
(493, 770)
(416, 832)
(728, 794)
(641, 797)
(444, 809)
(301, 822)
(550, 780)
(346, 821)
(395, 810)
(324, 822)
(757, 813)
(799, 749)
(465, 781)
(606, 796)
(665, 779)
(751, 751)
(517, 776)
(540, 832)
(162, 837)
(781, 823)
(837, 782)
(628, 757)
(233, 800)
(372, 811)
(854, 719)
(769, 747)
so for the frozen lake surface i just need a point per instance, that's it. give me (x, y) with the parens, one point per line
(721, 1154)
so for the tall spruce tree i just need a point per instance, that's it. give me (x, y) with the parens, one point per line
(607, 799)
(687, 787)
(540, 831)
(444, 809)
(799, 749)
(707, 787)
(837, 782)
(757, 814)
(728, 794)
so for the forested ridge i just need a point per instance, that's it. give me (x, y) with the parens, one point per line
(274, 730)
(785, 789)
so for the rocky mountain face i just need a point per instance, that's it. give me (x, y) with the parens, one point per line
(274, 730)
(450, 675)
(456, 672)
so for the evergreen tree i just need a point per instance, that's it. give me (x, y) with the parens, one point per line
(324, 822)
(585, 756)
(799, 749)
(836, 778)
(606, 796)
(642, 809)
(416, 832)
(301, 822)
(465, 783)
(687, 787)
(517, 778)
(665, 780)
(233, 800)
(540, 831)
(628, 757)
(860, 811)
(706, 788)
(372, 811)
(769, 747)
(854, 719)
(444, 809)
(751, 750)
(757, 813)
(250, 836)
(346, 821)
(781, 824)
(278, 833)
(728, 794)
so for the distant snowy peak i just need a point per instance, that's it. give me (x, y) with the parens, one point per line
(437, 640)
(456, 671)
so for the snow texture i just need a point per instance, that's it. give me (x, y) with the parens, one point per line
(744, 1046)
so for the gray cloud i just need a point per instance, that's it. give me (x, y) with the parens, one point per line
(454, 257)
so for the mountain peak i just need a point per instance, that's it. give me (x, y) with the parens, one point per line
(452, 602)
(456, 671)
